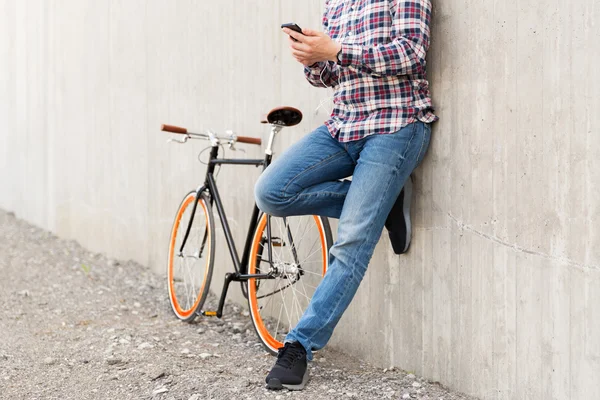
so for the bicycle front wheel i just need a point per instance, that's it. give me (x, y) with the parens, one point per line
(299, 260)
(190, 268)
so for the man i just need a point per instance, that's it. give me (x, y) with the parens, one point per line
(372, 54)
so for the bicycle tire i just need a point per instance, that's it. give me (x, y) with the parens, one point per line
(198, 245)
(298, 271)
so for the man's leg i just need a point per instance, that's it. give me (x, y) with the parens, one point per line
(384, 164)
(304, 179)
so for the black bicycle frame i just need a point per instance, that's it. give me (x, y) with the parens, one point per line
(241, 266)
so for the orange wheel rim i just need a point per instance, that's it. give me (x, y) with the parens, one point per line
(259, 323)
(178, 309)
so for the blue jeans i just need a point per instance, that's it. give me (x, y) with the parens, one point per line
(307, 179)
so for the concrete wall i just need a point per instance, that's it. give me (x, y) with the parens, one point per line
(499, 294)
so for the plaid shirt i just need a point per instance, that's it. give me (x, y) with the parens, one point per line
(380, 84)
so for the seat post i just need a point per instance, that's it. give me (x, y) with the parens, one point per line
(274, 130)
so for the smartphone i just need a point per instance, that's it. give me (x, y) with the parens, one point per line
(293, 27)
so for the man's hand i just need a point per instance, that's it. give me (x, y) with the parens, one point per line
(312, 46)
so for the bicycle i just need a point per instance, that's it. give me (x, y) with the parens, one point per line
(296, 256)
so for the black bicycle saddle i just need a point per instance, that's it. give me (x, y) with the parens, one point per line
(283, 116)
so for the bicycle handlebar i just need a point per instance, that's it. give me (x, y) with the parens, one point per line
(184, 131)
(173, 129)
(249, 140)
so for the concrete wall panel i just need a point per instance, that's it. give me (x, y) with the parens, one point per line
(496, 298)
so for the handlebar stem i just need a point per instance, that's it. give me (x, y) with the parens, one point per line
(214, 140)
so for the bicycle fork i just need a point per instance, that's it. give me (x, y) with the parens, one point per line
(189, 227)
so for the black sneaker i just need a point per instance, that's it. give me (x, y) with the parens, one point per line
(290, 370)
(398, 221)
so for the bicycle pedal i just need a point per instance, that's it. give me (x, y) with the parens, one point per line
(209, 313)
(277, 242)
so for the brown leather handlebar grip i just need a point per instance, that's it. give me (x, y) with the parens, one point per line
(250, 140)
(173, 129)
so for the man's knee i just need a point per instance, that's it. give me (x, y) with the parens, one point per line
(269, 197)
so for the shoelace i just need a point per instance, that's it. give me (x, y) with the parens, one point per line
(288, 355)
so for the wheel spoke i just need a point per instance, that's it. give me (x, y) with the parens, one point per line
(191, 270)
(298, 269)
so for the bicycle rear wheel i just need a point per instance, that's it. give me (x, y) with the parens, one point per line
(190, 269)
(299, 260)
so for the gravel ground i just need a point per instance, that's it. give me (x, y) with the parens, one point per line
(78, 325)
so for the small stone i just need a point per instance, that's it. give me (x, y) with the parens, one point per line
(237, 328)
(406, 396)
(137, 305)
(194, 397)
(112, 263)
(157, 375)
(145, 345)
(49, 361)
(204, 356)
(331, 391)
(200, 331)
(352, 395)
(385, 370)
(410, 376)
(24, 293)
(114, 361)
(278, 397)
(123, 341)
(416, 384)
(160, 390)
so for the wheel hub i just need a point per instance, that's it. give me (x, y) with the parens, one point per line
(283, 269)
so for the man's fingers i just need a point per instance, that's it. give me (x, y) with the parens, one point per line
(298, 36)
(310, 32)
(300, 54)
(300, 47)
